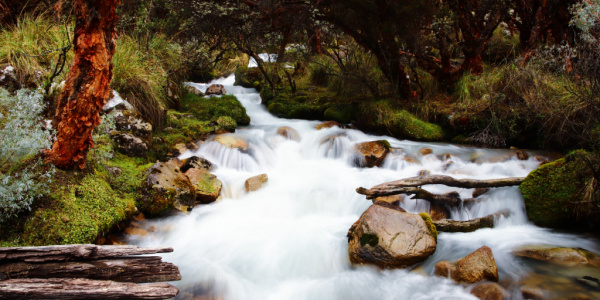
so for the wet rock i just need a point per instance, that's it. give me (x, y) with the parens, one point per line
(590, 281)
(424, 173)
(425, 151)
(371, 154)
(164, 188)
(192, 90)
(233, 142)
(129, 144)
(522, 155)
(445, 156)
(439, 212)
(411, 160)
(288, 133)
(132, 121)
(479, 191)
(216, 89)
(207, 186)
(393, 199)
(532, 293)
(560, 255)
(390, 238)
(135, 231)
(177, 150)
(197, 163)
(256, 182)
(488, 291)
(329, 124)
(477, 266)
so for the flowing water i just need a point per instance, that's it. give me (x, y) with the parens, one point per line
(288, 239)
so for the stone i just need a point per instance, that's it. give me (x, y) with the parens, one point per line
(532, 293)
(207, 186)
(216, 89)
(329, 124)
(479, 191)
(164, 188)
(256, 182)
(411, 160)
(477, 266)
(192, 90)
(135, 231)
(233, 142)
(177, 150)
(389, 238)
(425, 151)
(371, 154)
(488, 291)
(522, 155)
(424, 173)
(392, 199)
(288, 133)
(197, 163)
(560, 255)
(129, 144)
(439, 212)
(132, 121)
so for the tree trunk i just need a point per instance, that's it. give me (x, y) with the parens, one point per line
(87, 87)
(471, 225)
(66, 289)
(73, 252)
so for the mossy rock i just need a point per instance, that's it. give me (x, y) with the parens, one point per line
(381, 117)
(551, 191)
(430, 224)
(227, 123)
(248, 77)
(342, 114)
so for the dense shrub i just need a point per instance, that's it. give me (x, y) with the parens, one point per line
(21, 139)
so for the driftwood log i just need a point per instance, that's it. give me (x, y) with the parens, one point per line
(471, 225)
(65, 289)
(85, 272)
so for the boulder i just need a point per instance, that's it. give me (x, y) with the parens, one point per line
(129, 144)
(560, 255)
(329, 124)
(132, 121)
(425, 151)
(371, 154)
(164, 188)
(256, 182)
(288, 133)
(192, 90)
(197, 163)
(216, 89)
(233, 142)
(477, 266)
(177, 150)
(392, 199)
(532, 293)
(207, 186)
(488, 291)
(522, 155)
(390, 238)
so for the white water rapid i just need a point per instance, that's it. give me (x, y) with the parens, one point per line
(288, 239)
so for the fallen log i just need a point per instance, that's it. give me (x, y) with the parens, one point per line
(450, 199)
(131, 269)
(402, 186)
(471, 225)
(66, 289)
(74, 252)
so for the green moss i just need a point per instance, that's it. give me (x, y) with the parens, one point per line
(227, 123)
(342, 114)
(369, 239)
(386, 144)
(429, 224)
(381, 117)
(551, 190)
(77, 213)
(248, 77)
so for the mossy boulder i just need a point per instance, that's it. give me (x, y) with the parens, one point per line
(388, 237)
(207, 186)
(342, 114)
(166, 188)
(248, 77)
(553, 193)
(382, 117)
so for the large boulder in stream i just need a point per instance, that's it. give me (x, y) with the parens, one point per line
(197, 163)
(389, 237)
(371, 154)
(233, 142)
(477, 266)
(207, 186)
(164, 188)
(216, 89)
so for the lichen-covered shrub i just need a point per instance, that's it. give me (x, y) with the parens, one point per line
(21, 139)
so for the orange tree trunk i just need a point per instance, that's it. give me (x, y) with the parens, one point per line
(87, 86)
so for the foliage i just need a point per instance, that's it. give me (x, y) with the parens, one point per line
(32, 47)
(22, 177)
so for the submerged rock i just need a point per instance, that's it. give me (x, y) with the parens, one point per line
(488, 291)
(425, 151)
(164, 188)
(288, 133)
(477, 266)
(256, 182)
(207, 186)
(560, 255)
(233, 142)
(329, 124)
(371, 154)
(390, 238)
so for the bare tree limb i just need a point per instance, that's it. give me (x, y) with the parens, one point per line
(471, 225)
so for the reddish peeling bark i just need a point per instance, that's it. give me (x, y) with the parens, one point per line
(87, 87)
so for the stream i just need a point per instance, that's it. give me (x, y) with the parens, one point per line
(287, 240)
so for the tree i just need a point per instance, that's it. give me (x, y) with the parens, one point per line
(87, 86)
